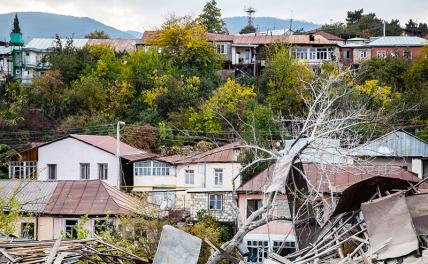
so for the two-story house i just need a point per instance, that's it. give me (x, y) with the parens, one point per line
(76, 157)
(198, 182)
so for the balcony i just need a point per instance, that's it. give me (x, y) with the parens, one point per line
(23, 170)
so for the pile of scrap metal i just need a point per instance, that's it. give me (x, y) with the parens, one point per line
(376, 220)
(92, 250)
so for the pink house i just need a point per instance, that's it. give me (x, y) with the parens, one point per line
(276, 236)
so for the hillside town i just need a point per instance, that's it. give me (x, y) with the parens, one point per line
(192, 144)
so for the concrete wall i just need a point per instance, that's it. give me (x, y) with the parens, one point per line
(200, 201)
(68, 153)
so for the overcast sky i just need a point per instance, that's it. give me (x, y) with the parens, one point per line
(147, 14)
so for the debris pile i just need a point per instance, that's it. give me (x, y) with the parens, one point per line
(390, 227)
(92, 250)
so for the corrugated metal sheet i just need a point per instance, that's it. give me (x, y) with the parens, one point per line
(224, 153)
(32, 195)
(119, 45)
(4, 50)
(47, 43)
(399, 41)
(397, 143)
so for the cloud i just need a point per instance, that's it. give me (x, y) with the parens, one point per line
(146, 14)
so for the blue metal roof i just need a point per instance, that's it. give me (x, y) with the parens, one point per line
(46, 43)
(397, 143)
(398, 41)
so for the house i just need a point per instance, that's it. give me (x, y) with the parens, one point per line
(328, 180)
(52, 209)
(407, 47)
(275, 236)
(332, 38)
(76, 157)
(247, 52)
(203, 181)
(395, 148)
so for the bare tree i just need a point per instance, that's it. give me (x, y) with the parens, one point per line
(335, 107)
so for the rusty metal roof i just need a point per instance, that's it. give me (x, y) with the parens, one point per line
(339, 177)
(93, 197)
(326, 35)
(221, 154)
(119, 45)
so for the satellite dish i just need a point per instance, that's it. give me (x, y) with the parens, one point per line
(163, 205)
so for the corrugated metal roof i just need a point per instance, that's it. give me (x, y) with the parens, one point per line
(293, 39)
(339, 177)
(326, 35)
(32, 195)
(224, 153)
(119, 45)
(399, 41)
(92, 197)
(4, 50)
(47, 43)
(397, 143)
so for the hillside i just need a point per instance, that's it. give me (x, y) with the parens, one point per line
(235, 24)
(46, 25)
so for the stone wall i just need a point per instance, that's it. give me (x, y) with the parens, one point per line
(200, 201)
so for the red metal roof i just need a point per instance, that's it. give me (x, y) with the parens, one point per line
(214, 37)
(339, 177)
(221, 154)
(92, 197)
(107, 143)
(119, 45)
(326, 35)
(293, 39)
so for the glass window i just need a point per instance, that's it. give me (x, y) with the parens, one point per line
(313, 54)
(190, 177)
(102, 171)
(52, 171)
(381, 54)
(69, 228)
(22, 169)
(216, 202)
(363, 54)
(27, 230)
(253, 205)
(151, 168)
(101, 225)
(258, 251)
(283, 248)
(407, 54)
(84, 171)
(218, 176)
(322, 54)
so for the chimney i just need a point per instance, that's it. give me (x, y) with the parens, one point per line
(311, 37)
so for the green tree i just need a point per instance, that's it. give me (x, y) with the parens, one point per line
(248, 29)
(211, 18)
(337, 28)
(6, 154)
(283, 76)
(89, 95)
(354, 16)
(97, 34)
(16, 28)
(412, 27)
(393, 28)
(184, 44)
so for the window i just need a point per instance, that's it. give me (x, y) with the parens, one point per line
(218, 176)
(253, 205)
(346, 55)
(313, 54)
(151, 168)
(27, 230)
(69, 228)
(101, 225)
(190, 177)
(22, 169)
(324, 53)
(52, 171)
(222, 48)
(161, 196)
(300, 53)
(407, 54)
(102, 171)
(216, 201)
(283, 248)
(84, 171)
(258, 251)
(381, 54)
(363, 54)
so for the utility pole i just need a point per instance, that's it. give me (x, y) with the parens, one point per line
(384, 28)
(119, 124)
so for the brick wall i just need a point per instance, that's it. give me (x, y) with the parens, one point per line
(199, 201)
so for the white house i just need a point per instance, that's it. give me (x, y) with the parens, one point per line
(75, 157)
(176, 179)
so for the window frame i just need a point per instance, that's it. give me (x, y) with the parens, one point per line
(87, 171)
(216, 201)
(363, 54)
(55, 171)
(154, 168)
(260, 247)
(73, 230)
(25, 230)
(218, 176)
(259, 204)
(189, 176)
(103, 171)
(22, 169)
(381, 54)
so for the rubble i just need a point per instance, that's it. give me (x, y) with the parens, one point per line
(93, 250)
(389, 227)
